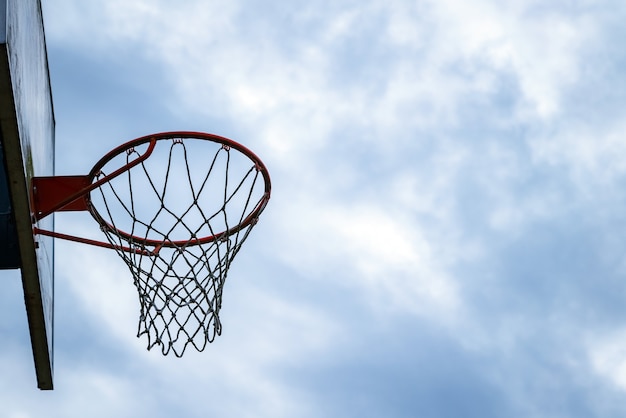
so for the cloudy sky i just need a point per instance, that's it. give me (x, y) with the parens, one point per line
(445, 236)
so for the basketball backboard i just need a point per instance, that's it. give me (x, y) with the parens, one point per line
(27, 148)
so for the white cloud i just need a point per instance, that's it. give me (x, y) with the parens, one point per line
(542, 50)
(287, 98)
(201, 42)
(607, 356)
(407, 142)
(372, 250)
(102, 284)
(263, 333)
(592, 157)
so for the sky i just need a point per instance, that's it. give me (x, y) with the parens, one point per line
(445, 233)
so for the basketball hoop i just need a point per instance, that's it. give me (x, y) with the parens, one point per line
(176, 207)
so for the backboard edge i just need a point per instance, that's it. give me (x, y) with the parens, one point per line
(19, 192)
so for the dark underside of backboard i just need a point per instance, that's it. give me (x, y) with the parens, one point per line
(9, 247)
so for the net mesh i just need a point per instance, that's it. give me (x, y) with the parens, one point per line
(158, 216)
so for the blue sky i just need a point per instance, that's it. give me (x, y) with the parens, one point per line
(445, 234)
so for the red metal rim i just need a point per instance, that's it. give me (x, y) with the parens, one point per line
(250, 219)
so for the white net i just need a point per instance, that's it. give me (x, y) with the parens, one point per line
(178, 219)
